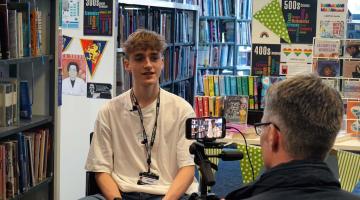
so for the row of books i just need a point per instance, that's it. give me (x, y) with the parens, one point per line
(10, 111)
(185, 25)
(244, 37)
(228, 8)
(253, 86)
(23, 162)
(184, 60)
(8, 102)
(233, 108)
(158, 21)
(217, 7)
(179, 63)
(216, 55)
(129, 22)
(21, 30)
(216, 31)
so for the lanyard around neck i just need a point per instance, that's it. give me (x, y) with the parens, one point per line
(148, 146)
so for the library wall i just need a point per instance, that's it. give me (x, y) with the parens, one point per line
(77, 113)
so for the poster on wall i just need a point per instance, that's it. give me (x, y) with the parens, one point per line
(268, 24)
(300, 53)
(73, 74)
(65, 42)
(300, 19)
(331, 18)
(70, 14)
(265, 59)
(98, 17)
(326, 48)
(93, 50)
(99, 90)
(291, 69)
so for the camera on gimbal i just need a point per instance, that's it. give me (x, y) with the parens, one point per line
(205, 131)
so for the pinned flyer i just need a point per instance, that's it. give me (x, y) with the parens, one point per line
(93, 50)
(66, 41)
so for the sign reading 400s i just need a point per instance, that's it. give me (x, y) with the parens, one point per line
(98, 17)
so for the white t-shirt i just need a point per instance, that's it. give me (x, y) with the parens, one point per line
(118, 135)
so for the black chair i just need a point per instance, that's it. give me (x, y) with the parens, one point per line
(91, 185)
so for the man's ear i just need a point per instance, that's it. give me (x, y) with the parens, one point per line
(274, 138)
(126, 65)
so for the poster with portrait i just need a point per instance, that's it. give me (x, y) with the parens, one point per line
(70, 14)
(265, 59)
(331, 18)
(300, 19)
(99, 90)
(73, 74)
(98, 17)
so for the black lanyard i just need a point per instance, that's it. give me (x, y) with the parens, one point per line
(145, 141)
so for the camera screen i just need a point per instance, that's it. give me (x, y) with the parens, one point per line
(203, 128)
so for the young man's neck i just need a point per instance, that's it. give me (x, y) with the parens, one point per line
(146, 95)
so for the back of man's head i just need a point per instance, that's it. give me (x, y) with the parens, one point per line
(309, 114)
(143, 39)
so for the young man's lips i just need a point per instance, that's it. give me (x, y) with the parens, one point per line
(148, 73)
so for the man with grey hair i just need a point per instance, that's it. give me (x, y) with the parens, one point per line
(301, 119)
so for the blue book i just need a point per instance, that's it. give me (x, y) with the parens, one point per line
(25, 104)
(222, 85)
(227, 85)
(233, 86)
(22, 162)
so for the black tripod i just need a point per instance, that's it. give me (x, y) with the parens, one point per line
(206, 166)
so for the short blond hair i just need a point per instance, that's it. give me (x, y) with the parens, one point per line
(143, 39)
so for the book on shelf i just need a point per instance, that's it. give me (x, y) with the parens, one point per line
(236, 109)
(4, 32)
(6, 104)
(25, 103)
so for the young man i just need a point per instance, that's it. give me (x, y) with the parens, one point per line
(301, 119)
(139, 150)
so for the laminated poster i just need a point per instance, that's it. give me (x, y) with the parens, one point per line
(70, 14)
(265, 59)
(331, 18)
(300, 19)
(73, 75)
(98, 17)
(299, 53)
(99, 90)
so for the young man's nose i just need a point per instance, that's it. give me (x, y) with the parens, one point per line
(147, 63)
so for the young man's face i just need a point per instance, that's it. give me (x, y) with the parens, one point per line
(145, 66)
